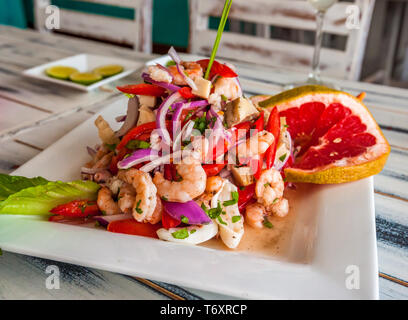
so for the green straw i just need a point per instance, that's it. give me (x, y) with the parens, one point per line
(221, 26)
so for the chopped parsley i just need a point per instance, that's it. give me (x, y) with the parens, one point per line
(184, 219)
(267, 223)
(235, 219)
(282, 157)
(170, 63)
(214, 213)
(137, 209)
(137, 144)
(180, 234)
(201, 123)
(235, 196)
(111, 147)
(221, 221)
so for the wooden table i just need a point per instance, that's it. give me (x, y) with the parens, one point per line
(34, 114)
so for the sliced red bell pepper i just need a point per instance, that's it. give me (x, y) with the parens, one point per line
(186, 93)
(133, 227)
(217, 69)
(213, 169)
(245, 196)
(136, 132)
(144, 89)
(77, 208)
(168, 221)
(273, 127)
(259, 123)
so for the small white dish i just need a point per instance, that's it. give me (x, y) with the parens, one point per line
(84, 63)
(332, 251)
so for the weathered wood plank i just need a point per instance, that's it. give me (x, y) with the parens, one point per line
(13, 114)
(23, 277)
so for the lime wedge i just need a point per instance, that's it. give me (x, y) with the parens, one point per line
(85, 78)
(108, 70)
(60, 72)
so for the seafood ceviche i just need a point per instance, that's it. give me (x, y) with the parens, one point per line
(193, 159)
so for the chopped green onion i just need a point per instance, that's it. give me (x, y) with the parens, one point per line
(282, 157)
(221, 26)
(235, 219)
(221, 221)
(170, 63)
(137, 144)
(180, 234)
(137, 209)
(184, 219)
(234, 196)
(267, 223)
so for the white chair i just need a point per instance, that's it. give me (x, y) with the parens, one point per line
(293, 14)
(136, 32)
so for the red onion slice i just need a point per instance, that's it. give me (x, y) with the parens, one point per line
(190, 210)
(131, 116)
(105, 220)
(165, 85)
(161, 116)
(138, 156)
(173, 54)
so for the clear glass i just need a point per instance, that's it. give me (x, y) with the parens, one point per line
(314, 75)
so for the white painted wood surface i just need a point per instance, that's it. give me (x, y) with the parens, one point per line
(295, 15)
(136, 32)
(33, 115)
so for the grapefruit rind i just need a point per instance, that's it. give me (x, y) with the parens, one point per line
(343, 170)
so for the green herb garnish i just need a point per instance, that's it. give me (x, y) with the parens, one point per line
(180, 234)
(275, 200)
(221, 221)
(170, 63)
(184, 219)
(111, 147)
(221, 26)
(224, 98)
(192, 231)
(164, 198)
(282, 157)
(234, 196)
(267, 223)
(137, 144)
(137, 209)
(235, 219)
(215, 212)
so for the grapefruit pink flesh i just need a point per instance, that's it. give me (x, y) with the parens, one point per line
(335, 137)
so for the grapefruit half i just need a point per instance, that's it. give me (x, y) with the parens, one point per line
(336, 138)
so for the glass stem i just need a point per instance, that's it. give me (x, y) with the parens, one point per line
(314, 76)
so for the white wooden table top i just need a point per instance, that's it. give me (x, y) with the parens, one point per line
(33, 115)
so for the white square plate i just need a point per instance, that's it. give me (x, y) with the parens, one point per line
(83, 62)
(334, 228)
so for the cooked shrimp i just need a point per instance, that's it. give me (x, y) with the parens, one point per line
(104, 161)
(102, 176)
(254, 215)
(269, 187)
(255, 145)
(145, 200)
(157, 213)
(214, 184)
(106, 203)
(191, 186)
(191, 68)
(159, 74)
(227, 87)
(280, 208)
(126, 198)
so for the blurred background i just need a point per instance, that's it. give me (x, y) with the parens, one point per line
(377, 52)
